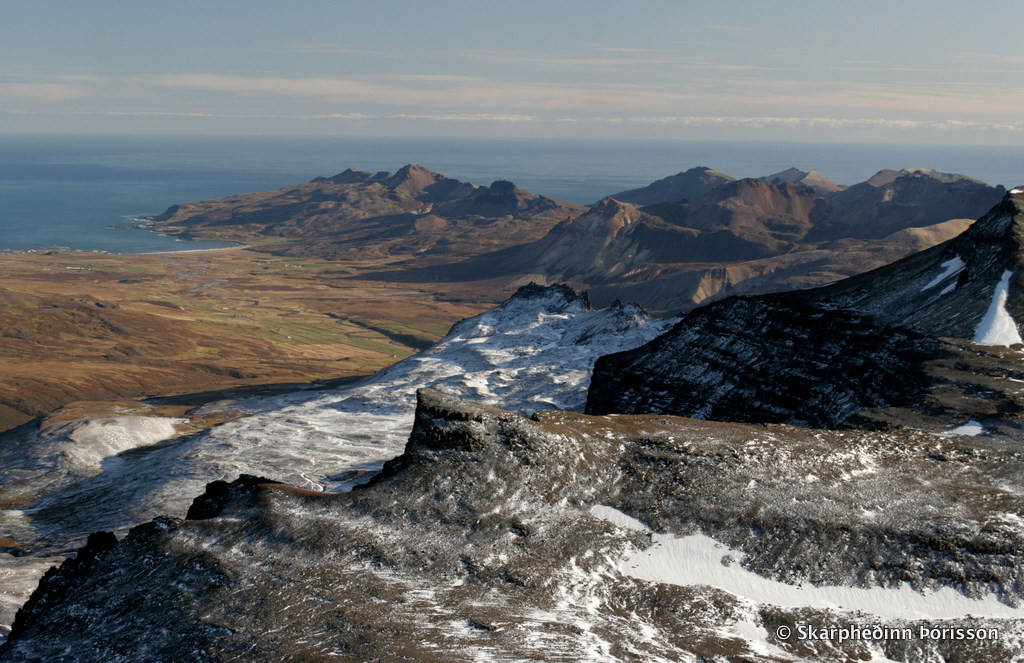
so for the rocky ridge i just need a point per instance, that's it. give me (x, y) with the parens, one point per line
(817, 357)
(357, 214)
(497, 536)
(754, 235)
(664, 246)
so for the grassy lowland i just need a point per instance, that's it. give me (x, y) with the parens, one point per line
(80, 326)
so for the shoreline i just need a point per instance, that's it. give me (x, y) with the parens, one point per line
(64, 249)
(153, 253)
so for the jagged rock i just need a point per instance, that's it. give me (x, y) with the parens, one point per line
(59, 581)
(219, 493)
(767, 359)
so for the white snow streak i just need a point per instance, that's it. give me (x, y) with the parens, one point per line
(949, 268)
(699, 560)
(998, 327)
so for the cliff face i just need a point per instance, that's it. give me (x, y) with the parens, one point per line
(766, 360)
(816, 357)
(495, 536)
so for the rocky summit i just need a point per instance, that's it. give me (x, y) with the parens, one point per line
(568, 537)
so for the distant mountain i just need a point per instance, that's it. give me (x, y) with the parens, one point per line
(360, 214)
(673, 188)
(891, 201)
(869, 341)
(812, 179)
(696, 236)
(741, 236)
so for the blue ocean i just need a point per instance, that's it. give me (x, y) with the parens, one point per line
(72, 191)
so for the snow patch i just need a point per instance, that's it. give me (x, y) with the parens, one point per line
(697, 559)
(971, 429)
(100, 439)
(949, 268)
(998, 327)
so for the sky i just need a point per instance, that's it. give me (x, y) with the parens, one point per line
(896, 71)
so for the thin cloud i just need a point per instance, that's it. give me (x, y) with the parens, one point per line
(626, 57)
(39, 92)
(823, 122)
(735, 28)
(329, 49)
(991, 57)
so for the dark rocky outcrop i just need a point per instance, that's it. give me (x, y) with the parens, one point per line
(58, 582)
(219, 493)
(769, 359)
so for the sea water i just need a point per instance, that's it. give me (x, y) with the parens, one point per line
(74, 191)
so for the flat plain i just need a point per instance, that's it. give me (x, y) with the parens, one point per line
(79, 326)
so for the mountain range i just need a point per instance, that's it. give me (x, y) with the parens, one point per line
(676, 243)
(836, 457)
(359, 214)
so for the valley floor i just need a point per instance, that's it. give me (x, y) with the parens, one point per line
(84, 326)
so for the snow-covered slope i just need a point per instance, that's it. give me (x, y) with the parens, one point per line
(109, 472)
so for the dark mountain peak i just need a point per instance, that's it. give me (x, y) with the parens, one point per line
(701, 173)
(503, 192)
(812, 179)
(787, 175)
(1001, 224)
(932, 174)
(893, 200)
(609, 207)
(609, 216)
(533, 291)
(502, 198)
(413, 178)
(348, 176)
(883, 177)
(680, 186)
(762, 198)
(888, 176)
